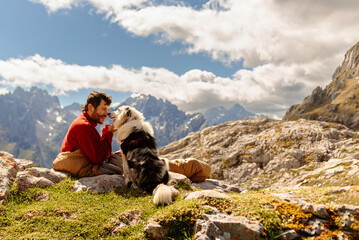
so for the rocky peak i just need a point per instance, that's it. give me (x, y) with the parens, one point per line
(19, 93)
(41, 95)
(219, 115)
(338, 101)
(351, 59)
(148, 105)
(74, 108)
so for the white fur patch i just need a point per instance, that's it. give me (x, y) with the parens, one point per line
(163, 194)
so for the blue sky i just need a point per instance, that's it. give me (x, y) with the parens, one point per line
(78, 36)
(264, 55)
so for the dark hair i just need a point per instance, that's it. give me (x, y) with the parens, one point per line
(95, 98)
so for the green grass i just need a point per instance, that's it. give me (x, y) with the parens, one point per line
(329, 195)
(70, 215)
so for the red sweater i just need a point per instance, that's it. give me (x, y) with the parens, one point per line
(83, 135)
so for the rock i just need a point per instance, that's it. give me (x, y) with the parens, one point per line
(222, 226)
(343, 236)
(41, 197)
(338, 191)
(317, 228)
(24, 164)
(342, 209)
(288, 235)
(285, 163)
(155, 230)
(177, 177)
(204, 194)
(99, 184)
(38, 177)
(347, 221)
(320, 211)
(217, 184)
(128, 219)
(25, 181)
(8, 171)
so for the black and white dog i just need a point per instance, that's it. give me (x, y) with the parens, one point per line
(141, 165)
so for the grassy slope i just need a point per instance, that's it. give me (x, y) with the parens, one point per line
(70, 215)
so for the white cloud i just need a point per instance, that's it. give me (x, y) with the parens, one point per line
(258, 31)
(274, 87)
(4, 91)
(290, 46)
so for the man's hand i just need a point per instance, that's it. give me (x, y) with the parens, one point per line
(112, 129)
(109, 128)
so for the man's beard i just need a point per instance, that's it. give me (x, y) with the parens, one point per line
(98, 118)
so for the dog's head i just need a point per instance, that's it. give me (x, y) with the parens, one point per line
(123, 115)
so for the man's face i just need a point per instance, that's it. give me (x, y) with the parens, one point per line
(99, 114)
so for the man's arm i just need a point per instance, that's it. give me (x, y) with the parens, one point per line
(94, 147)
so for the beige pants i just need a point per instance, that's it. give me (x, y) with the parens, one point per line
(195, 170)
(76, 164)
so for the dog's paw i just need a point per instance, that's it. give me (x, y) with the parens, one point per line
(164, 194)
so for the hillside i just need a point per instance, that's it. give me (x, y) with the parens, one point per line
(339, 101)
(45, 204)
(266, 153)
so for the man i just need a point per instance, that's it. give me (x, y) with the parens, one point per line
(84, 152)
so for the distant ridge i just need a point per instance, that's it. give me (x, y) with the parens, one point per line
(219, 115)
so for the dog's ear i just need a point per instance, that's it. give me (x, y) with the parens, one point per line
(128, 112)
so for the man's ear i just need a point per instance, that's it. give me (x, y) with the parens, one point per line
(91, 108)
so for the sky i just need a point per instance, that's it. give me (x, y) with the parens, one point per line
(263, 54)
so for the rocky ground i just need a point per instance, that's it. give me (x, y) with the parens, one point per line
(266, 153)
(280, 160)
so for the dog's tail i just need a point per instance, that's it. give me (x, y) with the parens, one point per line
(164, 194)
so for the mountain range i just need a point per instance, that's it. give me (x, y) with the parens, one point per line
(33, 123)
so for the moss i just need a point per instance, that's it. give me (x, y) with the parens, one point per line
(290, 141)
(184, 186)
(278, 128)
(355, 226)
(328, 235)
(248, 147)
(315, 156)
(294, 217)
(180, 218)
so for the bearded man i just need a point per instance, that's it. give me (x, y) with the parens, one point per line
(84, 152)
